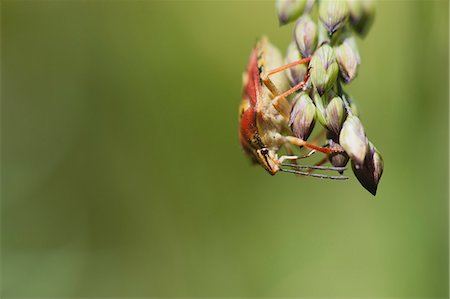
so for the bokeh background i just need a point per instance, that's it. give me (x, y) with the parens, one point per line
(122, 175)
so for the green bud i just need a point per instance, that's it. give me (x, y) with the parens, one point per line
(302, 117)
(333, 14)
(335, 114)
(324, 69)
(289, 10)
(355, 11)
(353, 139)
(348, 58)
(309, 6)
(297, 73)
(324, 37)
(337, 159)
(320, 108)
(362, 13)
(369, 173)
(305, 35)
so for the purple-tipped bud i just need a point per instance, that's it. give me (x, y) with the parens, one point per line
(369, 173)
(333, 14)
(289, 10)
(305, 35)
(335, 115)
(337, 159)
(302, 117)
(348, 58)
(353, 139)
(362, 13)
(297, 73)
(324, 69)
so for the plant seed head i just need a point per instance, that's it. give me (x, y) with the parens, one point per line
(377, 162)
(309, 6)
(324, 37)
(335, 115)
(302, 117)
(324, 69)
(289, 10)
(297, 73)
(333, 14)
(369, 173)
(355, 11)
(362, 13)
(353, 139)
(305, 35)
(320, 109)
(337, 159)
(347, 56)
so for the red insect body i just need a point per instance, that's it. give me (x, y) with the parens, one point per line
(258, 119)
(248, 128)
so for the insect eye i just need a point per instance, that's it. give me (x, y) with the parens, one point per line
(264, 151)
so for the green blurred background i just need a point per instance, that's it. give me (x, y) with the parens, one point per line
(122, 174)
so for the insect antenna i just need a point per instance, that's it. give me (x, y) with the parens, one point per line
(339, 169)
(316, 175)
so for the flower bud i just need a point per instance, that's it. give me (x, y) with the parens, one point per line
(305, 35)
(355, 11)
(324, 69)
(348, 58)
(324, 37)
(362, 13)
(353, 139)
(337, 159)
(320, 109)
(289, 10)
(309, 6)
(295, 74)
(333, 14)
(335, 114)
(302, 117)
(369, 173)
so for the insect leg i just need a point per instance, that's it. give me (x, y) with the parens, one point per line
(279, 101)
(290, 153)
(274, 90)
(301, 142)
(323, 161)
(283, 107)
(282, 158)
(296, 169)
(286, 66)
(281, 104)
(317, 166)
(316, 175)
(293, 89)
